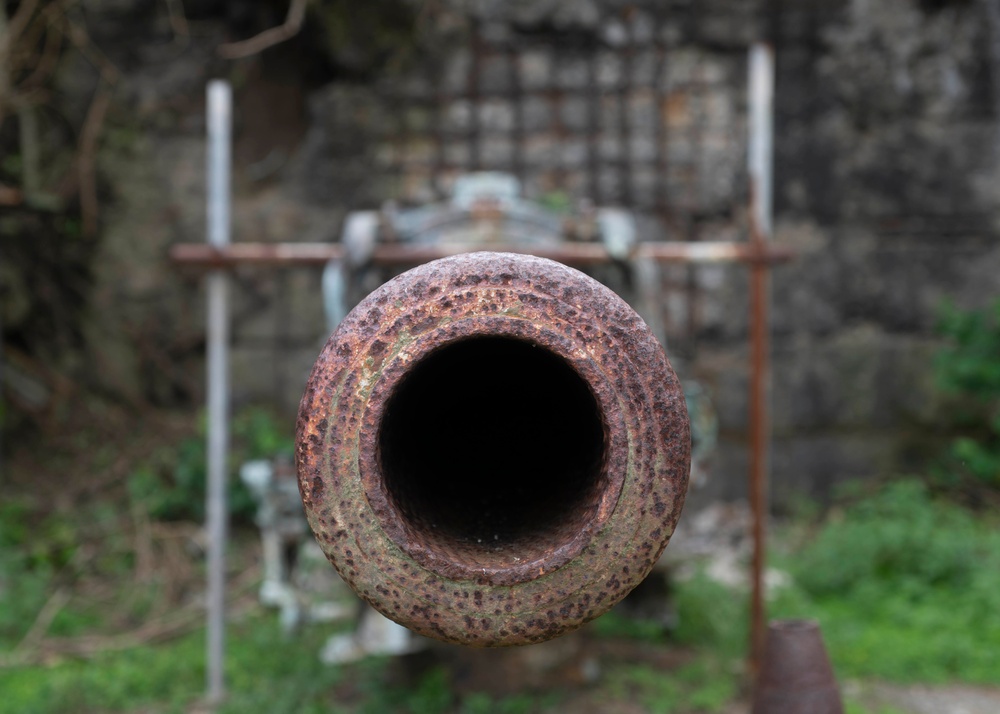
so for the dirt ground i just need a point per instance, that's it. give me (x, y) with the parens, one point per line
(574, 664)
(927, 699)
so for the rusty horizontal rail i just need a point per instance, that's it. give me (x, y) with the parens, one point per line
(290, 254)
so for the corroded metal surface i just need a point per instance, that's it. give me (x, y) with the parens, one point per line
(796, 676)
(493, 449)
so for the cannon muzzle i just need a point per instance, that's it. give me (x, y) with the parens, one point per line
(492, 449)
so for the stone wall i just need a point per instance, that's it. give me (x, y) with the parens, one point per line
(886, 155)
(887, 148)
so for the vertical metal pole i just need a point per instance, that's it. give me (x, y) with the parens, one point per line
(761, 149)
(3, 404)
(761, 109)
(5, 82)
(220, 101)
(993, 27)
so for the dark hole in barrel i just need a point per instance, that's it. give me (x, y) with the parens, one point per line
(492, 452)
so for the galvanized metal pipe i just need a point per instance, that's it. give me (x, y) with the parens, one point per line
(493, 449)
(219, 99)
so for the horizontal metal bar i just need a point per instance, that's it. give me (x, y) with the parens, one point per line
(288, 254)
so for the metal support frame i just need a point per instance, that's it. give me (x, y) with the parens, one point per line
(757, 253)
(305, 254)
(760, 158)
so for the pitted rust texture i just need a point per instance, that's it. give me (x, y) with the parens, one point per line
(796, 676)
(566, 548)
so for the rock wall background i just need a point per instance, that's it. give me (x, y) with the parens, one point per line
(887, 148)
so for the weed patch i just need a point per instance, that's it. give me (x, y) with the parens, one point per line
(906, 588)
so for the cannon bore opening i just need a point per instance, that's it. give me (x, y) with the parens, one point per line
(492, 450)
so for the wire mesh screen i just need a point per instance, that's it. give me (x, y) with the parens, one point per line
(626, 116)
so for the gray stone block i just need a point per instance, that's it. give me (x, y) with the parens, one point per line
(457, 153)
(457, 68)
(254, 374)
(610, 113)
(724, 373)
(812, 467)
(496, 152)
(419, 119)
(420, 151)
(609, 148)
(535, 69)
(642, 27)
(541, 151)
(642, 114)
(643, 68)
(574, 114)
(574, 153)
(457, 116)
(572, 72)
(679, 69)
(609, 184)
(645, 183)
(609, 69)
(675, 111)
(536, 114)
(496, 115)
(495, 75)
(641, 148)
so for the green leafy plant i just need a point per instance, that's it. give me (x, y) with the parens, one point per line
(905, 585)
(266, 672)
(482, 703)
(901, 537)
(34, 548)
(968, 370)
(617, 625)
(854, 707)
(711, 616)
(703, 686)
(171, 484)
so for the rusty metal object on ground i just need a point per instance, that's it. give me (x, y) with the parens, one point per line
(795, 675)
(493, 449)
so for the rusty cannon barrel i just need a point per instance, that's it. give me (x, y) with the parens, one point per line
(493, 449)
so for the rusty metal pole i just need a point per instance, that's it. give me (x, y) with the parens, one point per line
(219, 95)
(761, 101)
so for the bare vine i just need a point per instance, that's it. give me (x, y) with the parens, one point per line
(270, 37)
(31, 43)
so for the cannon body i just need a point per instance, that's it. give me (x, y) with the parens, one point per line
(493, 449)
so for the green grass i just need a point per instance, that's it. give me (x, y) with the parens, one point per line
(617, 625)
(482, 703)
(711, 629)
(854, 707)
(905, 587)
(705, 685)
(266, 673)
